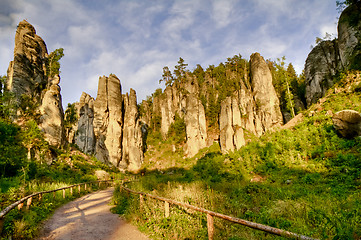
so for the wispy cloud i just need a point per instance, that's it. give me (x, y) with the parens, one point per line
(135, 39)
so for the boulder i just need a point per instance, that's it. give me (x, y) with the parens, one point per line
(102, 175)
(347, 123)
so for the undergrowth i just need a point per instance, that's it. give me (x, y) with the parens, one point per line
(305, 180)
(71, 167)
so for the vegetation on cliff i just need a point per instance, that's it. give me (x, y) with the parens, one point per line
(305, 180)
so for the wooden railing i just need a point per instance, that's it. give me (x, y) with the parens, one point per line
(210, 215)
(29, 198)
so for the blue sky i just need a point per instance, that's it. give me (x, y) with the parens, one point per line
(135, 39)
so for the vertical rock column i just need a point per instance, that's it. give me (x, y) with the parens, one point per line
(108, 120)
(267, 102)
(132, 155)
(84, 137)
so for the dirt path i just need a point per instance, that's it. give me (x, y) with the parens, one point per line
(87, 218)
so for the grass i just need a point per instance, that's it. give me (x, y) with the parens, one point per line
(71, 167)
(305, 180)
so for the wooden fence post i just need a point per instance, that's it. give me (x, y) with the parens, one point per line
(166, 209)
(63, 193)
(1, 224)
(141, 201)
(20, 206)
(79, 188)
(54, 193)
(28, 203)
(210, 226)
(84, 187)
(99, 183)
(40, 196)
(71, 191)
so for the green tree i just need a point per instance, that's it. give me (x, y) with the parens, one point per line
(167, 77)
(12, 152)
(180, 71)
(53, 67)
(281, 81)
(7, 106)
(32, 138)
(70, 115)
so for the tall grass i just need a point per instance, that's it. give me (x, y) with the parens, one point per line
(305, 180)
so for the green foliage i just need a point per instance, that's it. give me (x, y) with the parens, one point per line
(28, 107)
(177, 130)
(7, 106)
(12, 153)
(70, 115)
(305, 180)
(53, 67)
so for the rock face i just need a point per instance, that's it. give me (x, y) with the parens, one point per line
(52, 115)
(349, 37)
(186, 105)
(85, 137)
(27, 72)
(132, 156)
(109, 126)
(347, 123)
(330, 57)
(108, 116)
(265, 95)
(255, 109)
(195, 120)
(26, 76)
(322, 64)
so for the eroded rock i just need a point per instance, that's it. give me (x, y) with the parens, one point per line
(347, 123)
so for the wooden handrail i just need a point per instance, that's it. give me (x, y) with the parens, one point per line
(15, 204)
(210, 214)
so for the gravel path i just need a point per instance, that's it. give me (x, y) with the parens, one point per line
(88, 218)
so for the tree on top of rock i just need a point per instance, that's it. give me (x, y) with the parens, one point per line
(53, 67)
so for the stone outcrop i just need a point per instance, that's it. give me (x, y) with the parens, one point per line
(52, 115)
(254, 109)
(27, 72)
(27, 76)
(330, 57)
(347, 123)
(322, 63)
(349, 36)
(132, 156)
(84, 137)
(265, 96)
(195, 120)
(108, 128)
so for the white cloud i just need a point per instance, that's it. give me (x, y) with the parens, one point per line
(136, 39)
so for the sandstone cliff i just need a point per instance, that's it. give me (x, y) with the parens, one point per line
(26, 77)
(254, 109)
(330, 57)
(84, 136)
(133, 134)
(109, 126)
(108, 117)
(218, 105)
(27, 72)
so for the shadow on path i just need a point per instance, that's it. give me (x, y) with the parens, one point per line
(88, 218)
